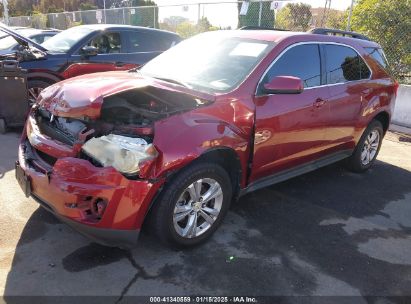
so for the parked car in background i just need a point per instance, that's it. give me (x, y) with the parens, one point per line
(9, 45)
(220, 115)
(88, 49)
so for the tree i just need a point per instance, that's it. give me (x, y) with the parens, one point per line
(253, 15)
(336, 19)
(204, 25)
(388, 23)
(186, 29)
(171, 23)
(87, 6)
(146, 14)
(294, 16)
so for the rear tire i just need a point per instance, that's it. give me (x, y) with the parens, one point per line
(367, 148)
(192, 206)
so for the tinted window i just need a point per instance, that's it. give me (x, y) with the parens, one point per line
(344, 64)
(301, 61)
(153, 42)
(378, 55)
(107, 43)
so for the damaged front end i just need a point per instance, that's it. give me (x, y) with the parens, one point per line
(87, 156)
(117, 132)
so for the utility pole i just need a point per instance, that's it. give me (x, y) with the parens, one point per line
(327, 3)
(6, 12)
(104, 8)
(349, 16)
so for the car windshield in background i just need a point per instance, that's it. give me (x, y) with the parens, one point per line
(7, 42)
(210, 62)
(65, 40)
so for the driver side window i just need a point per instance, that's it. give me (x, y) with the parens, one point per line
(107, 43)
(302, 61)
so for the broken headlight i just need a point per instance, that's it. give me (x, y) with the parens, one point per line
(123, 153)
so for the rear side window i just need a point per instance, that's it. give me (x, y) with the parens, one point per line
(153, 42)
(378, 55)
(301, 61)
(343, 64)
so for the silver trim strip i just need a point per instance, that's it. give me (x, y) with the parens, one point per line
(312, 42)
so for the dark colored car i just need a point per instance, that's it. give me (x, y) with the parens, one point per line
(88, 49)
(218, 116)
(9, 45)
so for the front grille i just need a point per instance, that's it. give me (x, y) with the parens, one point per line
(46, 158)
(48, 128)
(65, 130)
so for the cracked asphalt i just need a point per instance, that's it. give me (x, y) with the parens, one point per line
(326, 233)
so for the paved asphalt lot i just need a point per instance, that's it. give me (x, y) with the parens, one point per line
(330, 232)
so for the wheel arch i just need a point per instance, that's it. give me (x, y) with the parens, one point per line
(384, 118)
(228, 159)
(49, 78)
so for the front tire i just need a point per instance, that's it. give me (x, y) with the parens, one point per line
(367, 148)
(193, 205)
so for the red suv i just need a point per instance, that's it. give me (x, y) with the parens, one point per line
(217, 116)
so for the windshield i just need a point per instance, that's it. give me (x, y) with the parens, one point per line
(211, 62)
(7, 43)
(64, 41)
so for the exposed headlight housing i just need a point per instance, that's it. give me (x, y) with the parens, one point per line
(123, 153)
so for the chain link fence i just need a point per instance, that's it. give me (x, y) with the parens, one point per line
(192, 18)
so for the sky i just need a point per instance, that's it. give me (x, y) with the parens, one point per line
(223, 14)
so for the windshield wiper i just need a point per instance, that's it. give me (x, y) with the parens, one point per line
(171, 80)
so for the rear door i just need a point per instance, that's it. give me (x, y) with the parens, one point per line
(142, 46)
(347, 77)
(290, 128)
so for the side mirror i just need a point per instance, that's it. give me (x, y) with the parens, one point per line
(89, 51)
(284, 85)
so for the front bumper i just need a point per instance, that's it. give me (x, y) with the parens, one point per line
(70, 186)
(108, 237)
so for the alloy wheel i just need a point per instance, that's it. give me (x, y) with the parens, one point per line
(197, 208)
(370, 147)
(34, 93)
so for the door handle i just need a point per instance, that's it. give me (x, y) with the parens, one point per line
(319, 102)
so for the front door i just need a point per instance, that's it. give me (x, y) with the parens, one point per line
(289, 128)
(111, 56)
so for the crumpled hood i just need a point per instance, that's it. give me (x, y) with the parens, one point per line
(83, 96)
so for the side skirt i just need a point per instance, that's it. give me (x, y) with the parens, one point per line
(290, 173)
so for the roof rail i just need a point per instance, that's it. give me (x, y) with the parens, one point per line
(334, 32)
(254, 27)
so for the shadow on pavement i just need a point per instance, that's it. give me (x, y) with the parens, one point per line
(329, 232)
(8, 150)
